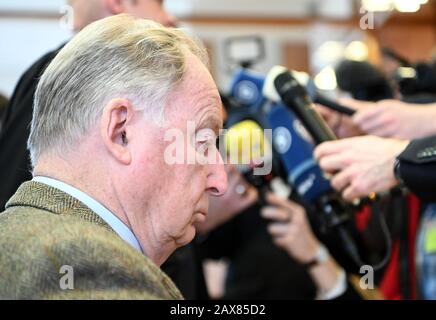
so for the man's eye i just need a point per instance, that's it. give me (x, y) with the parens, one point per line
(206, 142)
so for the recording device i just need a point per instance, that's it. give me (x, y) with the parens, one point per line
(244, 51)
(416, 79)
(281, 86)
(285, 108)
(317, 97)
(363, 81)
(413, 79)
(331, 104)
(292, 146)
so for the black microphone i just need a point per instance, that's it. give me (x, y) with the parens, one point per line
(333, 105)
(317, 97)
(280, 84)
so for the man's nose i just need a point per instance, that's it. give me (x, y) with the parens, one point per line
(217, 178)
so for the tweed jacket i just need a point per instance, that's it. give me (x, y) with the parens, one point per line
(54, 247)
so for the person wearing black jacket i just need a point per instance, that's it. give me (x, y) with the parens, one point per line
(14, 156)
(415, 167)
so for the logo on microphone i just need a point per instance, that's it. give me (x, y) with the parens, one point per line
(247, 92)
(282, 139)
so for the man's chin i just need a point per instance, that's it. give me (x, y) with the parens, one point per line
(199, 217)
(187, 237)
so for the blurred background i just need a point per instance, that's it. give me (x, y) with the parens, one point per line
(368, 49)
(306, 35)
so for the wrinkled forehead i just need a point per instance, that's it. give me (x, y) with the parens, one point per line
(196, 97)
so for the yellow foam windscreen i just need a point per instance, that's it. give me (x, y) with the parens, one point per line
(245, 142)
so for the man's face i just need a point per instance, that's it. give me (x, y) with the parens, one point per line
(152, 10)
(177, 194)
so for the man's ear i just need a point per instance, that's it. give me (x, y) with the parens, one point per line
(115, 6)
(114, 130)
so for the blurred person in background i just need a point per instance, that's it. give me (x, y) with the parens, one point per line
(4, 102)
(291, 231)
(252, 241)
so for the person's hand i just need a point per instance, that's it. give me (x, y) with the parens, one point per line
(239, 196)
(360, 166)
(291, 230)
(343, 125)
(396, 119)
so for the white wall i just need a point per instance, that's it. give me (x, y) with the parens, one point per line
(28, 29)
(274, 38)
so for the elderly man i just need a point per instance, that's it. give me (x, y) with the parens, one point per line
(14, 160)
(104, 207)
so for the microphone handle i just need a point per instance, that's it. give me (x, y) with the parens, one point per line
(311, 119)
(334, 105)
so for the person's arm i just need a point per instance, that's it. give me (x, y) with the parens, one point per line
(291, 231)
(397, 119)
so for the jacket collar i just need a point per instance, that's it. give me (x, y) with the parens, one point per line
(41, 196)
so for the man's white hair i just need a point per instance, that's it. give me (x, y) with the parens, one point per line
(116, 57)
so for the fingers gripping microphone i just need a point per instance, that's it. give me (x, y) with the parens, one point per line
(281, 85)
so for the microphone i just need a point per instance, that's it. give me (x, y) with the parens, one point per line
(333, 105)
(281, 85)
(314, 94)
(292, 145)
(281, 111)
(246, 144)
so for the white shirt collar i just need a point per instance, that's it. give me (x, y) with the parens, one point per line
(111, 219)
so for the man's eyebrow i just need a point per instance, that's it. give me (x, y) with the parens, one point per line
(211, 122)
